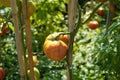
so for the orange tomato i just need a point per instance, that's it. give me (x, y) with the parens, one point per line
(54, 49)
(64, 38)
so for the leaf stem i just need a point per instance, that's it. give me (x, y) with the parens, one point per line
(92, 13)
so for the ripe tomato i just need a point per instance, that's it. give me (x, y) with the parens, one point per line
(102, 0)
(2, 73)
(93, 24)
(64, 38)
(101, 11)
(4, 30)
(54, 49)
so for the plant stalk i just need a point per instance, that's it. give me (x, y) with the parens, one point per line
(71, 26)
(108, 20)
(29, 38)
(18, 39)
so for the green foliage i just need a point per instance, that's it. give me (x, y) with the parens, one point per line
(96, 52)
(109, 50)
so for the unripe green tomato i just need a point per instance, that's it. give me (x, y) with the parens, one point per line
(36, 74)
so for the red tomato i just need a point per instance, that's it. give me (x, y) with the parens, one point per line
(2, 73)
(93, 24)
(64, 38)
(101, 11)
(4, 30)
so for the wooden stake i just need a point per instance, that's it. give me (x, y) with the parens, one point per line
(71, 25)
(29, 38)
(18, 40)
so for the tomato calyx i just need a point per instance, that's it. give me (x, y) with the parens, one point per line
(56, 35)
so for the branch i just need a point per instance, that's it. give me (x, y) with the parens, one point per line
(18, 40)
(71, 25)
(92, 13)
(108, 17)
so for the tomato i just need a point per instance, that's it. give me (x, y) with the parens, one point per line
(93, 24)
(101, 11)
(102, 0)
(54, 49)
(36, 73)
(64, 38)
(2, 73)
(3, 30)
(35, 60)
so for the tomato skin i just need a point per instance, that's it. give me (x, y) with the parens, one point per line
(3, 30)
(101, 11)
(93, 24)
(64, 38)
(55, 49)
(2, 73)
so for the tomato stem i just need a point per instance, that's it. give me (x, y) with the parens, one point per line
(93, 13)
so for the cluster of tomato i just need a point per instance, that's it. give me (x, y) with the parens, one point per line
(55, 46)
(113, 7)
(2, 73)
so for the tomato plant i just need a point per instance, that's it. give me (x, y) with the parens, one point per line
(64, 38)
(54, 49)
